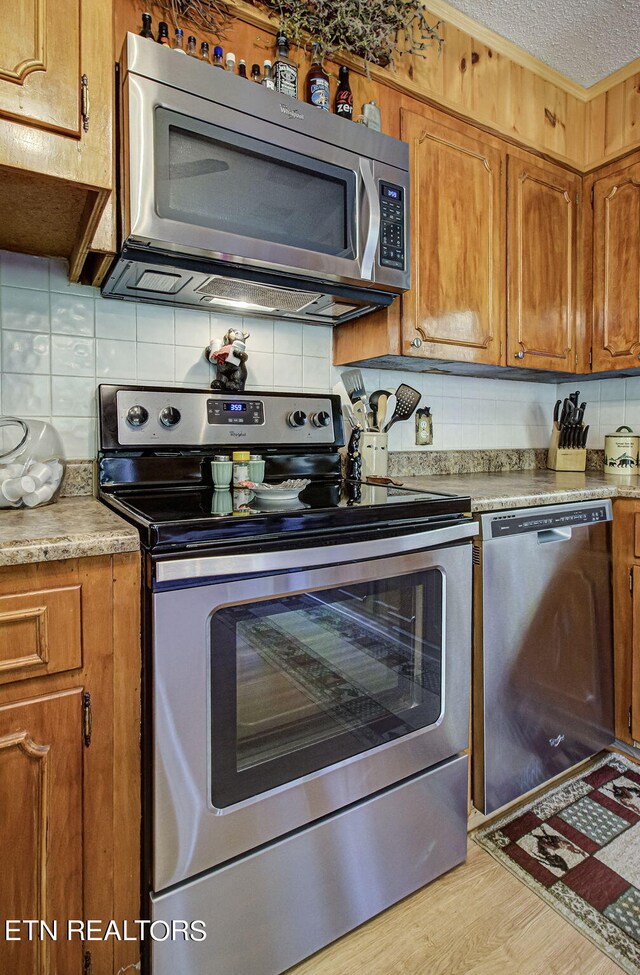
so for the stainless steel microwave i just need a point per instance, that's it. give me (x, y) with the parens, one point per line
(237, 198)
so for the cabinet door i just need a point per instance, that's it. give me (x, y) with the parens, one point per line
(541, 264)
(41, 828)
(616, 270)
(635, 656)
(40, 63)
(456, 302)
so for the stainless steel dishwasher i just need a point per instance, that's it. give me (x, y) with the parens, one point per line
(543, 646)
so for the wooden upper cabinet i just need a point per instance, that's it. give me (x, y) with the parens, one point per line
(456, 303)
(41, 834)
(541, 264)
(616, 270)
(40, 64)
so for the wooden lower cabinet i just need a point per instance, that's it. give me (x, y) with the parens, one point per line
(41, 831)
(69, 760)
(626, 618)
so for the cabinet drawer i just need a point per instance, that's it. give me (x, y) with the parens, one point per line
(40, 633)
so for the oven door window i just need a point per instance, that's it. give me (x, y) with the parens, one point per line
(211, 177)
(301, 682)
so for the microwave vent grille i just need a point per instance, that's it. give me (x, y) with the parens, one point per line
(282, 299)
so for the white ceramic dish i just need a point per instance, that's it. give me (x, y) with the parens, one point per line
(277, 493)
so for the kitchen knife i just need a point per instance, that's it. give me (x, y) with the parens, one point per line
(585, 434)
(574, 397)
(556, 411)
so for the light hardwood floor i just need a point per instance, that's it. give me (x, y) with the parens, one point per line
(476, 920)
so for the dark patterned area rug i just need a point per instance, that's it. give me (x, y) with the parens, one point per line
(578, 847)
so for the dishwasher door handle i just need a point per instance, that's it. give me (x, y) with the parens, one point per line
(554, 535)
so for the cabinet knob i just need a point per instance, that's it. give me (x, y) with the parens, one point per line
(417, 344)
(518, 355)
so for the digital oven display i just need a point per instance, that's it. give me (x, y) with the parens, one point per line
(391, 192)
(234, 407)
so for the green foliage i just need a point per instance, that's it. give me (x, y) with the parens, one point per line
(374, 30)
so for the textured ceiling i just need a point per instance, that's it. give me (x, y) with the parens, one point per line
(585, 40)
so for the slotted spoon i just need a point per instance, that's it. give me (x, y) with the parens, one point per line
(407, 398)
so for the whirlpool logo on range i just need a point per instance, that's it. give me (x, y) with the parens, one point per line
(238, 433)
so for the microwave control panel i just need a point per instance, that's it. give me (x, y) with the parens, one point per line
(392, 226)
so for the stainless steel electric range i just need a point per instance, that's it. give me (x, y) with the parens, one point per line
(307, 673)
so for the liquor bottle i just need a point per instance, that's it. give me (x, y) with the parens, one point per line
(255, 73)
(267, 80)
(242, 69)
(178, 41)
(230, 62)
(163, 34)
(146, 27)
(218, 55)
(344, 96)
(318, 82)
(371, 116)
(204, 52)
(192, 46)
(285, 72)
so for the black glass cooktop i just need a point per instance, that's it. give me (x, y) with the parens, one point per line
(194, 516)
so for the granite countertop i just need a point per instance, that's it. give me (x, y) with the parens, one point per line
(71, 528)
(522, 489)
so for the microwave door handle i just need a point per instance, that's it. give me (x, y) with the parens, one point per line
(370, 219)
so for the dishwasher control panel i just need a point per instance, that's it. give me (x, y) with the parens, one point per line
(519, 522)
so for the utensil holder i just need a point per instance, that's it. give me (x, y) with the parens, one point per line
(375, 454)
(565, 458)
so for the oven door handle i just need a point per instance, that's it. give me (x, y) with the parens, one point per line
(244, 564)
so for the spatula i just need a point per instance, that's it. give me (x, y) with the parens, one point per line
(354, 385)
(407, 399)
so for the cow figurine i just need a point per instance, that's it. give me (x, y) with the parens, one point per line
(230, 358)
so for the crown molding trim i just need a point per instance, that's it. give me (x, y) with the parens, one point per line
(501, 45)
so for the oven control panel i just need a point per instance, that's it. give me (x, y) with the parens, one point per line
(392, 226)
(152, 417)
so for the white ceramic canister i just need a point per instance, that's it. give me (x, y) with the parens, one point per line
(621, 451)
(375, 454)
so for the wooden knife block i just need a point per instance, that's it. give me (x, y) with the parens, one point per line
(565, 458)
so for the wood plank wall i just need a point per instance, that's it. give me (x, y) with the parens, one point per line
(478, 76)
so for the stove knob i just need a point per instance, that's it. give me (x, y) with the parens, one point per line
(137, 416)
(169, 416)
(321, 419)
(297, 419)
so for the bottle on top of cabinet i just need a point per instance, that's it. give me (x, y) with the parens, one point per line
(318, 81)
(255, 73)
(204, 52)
(178, 41)
(285, 72)
(146, 27)
(371, 116)
(163, 34)
(218, 57)
(267, 80)
(230, 62)
(192, 46)
(242, 69)
(344, 96)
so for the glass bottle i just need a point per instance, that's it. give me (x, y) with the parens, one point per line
(204, 52)
(163, 34)
(230, 62)
(318, 82)
(218, 54)
(192, 46)
(178, 41)
(242, 69)
(255, 73)
(344, 95)
(267, 80)
(146, 27)
(285, 72)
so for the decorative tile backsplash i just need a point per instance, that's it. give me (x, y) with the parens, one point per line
(60, 340)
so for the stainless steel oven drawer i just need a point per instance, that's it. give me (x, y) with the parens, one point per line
(325, 879)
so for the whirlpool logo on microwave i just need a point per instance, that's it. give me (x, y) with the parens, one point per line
(238, 433)
(290, 112)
